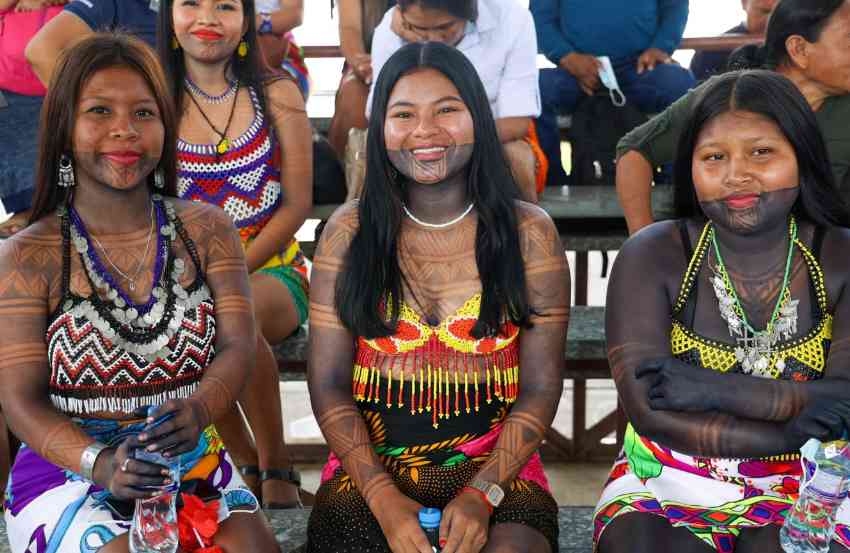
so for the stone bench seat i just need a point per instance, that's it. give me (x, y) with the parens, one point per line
(290, 528)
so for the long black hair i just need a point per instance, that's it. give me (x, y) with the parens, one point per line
(805, 18)
(249, 71)
(58, 115)
(770, 95)
(373, 278)
(464, 9)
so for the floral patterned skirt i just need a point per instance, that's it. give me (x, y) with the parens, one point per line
(713, 498)
(49, 509)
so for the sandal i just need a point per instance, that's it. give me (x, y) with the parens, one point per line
(291, 476)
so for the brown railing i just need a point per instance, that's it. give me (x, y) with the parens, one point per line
(724, 42)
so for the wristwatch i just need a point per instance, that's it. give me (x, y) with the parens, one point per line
(265, 23)
(493, 493)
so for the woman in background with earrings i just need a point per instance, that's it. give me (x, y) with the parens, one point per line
(244, 144)
(118, 296)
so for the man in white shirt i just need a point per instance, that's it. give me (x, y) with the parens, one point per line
(499, 38)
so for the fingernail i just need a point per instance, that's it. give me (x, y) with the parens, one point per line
(150, 448)
(442, 543)
(143, 437)
(149, 420)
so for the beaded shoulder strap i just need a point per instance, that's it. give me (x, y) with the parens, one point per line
(692, 271)
(690, 276)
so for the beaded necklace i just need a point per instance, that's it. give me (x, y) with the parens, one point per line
(146, 328)
(209, 98)
(754, 347)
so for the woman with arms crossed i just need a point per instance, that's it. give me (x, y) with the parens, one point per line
(439, 317)
(728, 330)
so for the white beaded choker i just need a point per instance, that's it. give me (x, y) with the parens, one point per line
(438, 225)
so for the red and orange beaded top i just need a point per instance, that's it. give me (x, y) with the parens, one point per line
(450, 366)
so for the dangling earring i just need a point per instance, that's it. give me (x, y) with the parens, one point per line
(159, 179)
(66, 172)
(243, 49)
(174, 44)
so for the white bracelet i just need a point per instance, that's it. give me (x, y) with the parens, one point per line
(89, 458)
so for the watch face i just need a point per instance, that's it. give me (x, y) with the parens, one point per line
(495, 495)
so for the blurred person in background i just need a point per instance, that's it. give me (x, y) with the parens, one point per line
(706, 63)
(807, 42)
(357, 22)
(638, 36)
(21, 96)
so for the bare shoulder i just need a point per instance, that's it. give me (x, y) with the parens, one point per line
(32, 256)
(537, 230)
(836, 244)
(657, 248)
(346, 218)
(191, 212)
(283, 94)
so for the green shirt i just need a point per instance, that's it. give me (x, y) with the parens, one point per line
(657, 138)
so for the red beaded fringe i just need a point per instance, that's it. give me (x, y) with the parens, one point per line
(443, 382)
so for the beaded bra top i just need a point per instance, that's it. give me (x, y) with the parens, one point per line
(804, 357)
(453, 372)
(245, 181)
(105, 358)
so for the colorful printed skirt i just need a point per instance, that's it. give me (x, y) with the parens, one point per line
(431, 473)
(713, 498)
(52, 510)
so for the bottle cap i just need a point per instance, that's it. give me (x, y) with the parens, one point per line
(430, 517)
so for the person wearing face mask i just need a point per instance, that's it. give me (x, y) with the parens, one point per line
(706, 63)
(498, 38)
(119, 296)
(439, 313)
(727, 328)
(245, 145)
(637, 36)
(805, 42)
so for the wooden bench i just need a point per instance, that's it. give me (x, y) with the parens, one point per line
(290, 529)
(722, 42)
(585, 359)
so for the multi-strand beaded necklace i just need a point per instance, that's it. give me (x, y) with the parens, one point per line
(145, 328)
(754, 348)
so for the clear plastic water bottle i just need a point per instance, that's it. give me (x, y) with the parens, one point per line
(154, 526)
(429, 520)
(810, 524)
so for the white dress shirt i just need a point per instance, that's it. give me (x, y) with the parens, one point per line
(501, 44)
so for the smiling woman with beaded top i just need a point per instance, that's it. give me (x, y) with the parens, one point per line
(438, 322)
(728, 330)
(116, 297)
(245, 144)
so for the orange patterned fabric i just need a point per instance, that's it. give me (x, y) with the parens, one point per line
(452, 371)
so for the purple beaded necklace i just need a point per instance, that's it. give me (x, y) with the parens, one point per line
(91, 253)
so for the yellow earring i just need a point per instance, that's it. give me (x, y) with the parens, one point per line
(243, 49)
(174, 44)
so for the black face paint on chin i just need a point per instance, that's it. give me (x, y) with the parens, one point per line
(113, 174)
(769, 209)
(452, 161)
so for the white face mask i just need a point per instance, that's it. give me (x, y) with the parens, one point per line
(609, 80)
